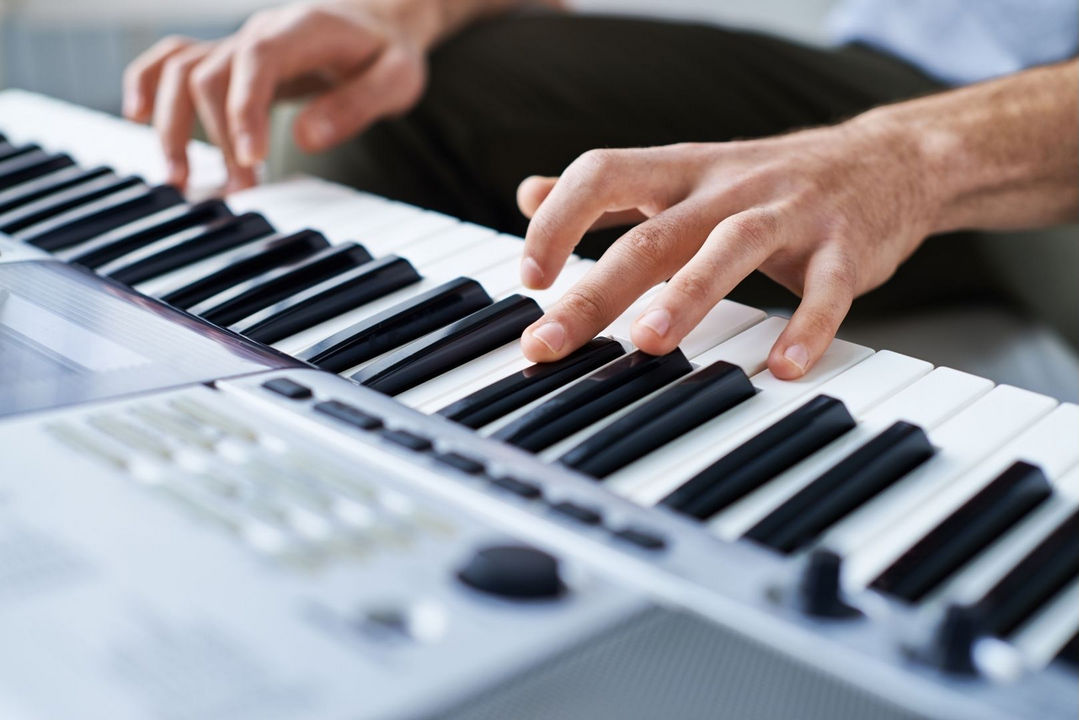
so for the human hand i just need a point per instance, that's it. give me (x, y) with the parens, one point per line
(829, 213)
(367, 57)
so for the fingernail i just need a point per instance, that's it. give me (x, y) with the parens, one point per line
(658, 320)
(320, 132)
(551, 334)
(797, 354)
(531, 274)
(245, 150)
(174, 173)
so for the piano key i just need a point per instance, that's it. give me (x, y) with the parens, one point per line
(1049, 631)
(599, 394)
(439, 351)
(113, 245)
(249, 297)
(427, 253)
(397, 325)
(68, 200)
(91, 224)
(859, 476)
(393, 238)
(654, 476)
(1047, 442)
(674, 411)
(46, 185)
(926, 402)
(762, 457)
(28, 166)
(969, 529)
(159, 258)
(963, 441)
(463, 263)
(517, 390)
(8, 151)
(329, 298)
(1043, 572)
(218, 273)
(438, 391)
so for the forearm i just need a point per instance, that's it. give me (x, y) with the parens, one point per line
(999, 155)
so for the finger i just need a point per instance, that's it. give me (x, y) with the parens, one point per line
(174, 111)
(734, 249)
(644, 256)
(389, 86)
(829, 291)
(597, 182)
(534, 190)
(255, 77)
(209, 86)
(141, 77)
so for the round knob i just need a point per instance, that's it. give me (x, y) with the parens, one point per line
(518, 572)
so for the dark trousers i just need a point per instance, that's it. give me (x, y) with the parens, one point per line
(526, 94)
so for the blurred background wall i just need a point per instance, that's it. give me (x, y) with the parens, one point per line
(77, 49)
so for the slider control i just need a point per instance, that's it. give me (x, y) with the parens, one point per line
(818, 593)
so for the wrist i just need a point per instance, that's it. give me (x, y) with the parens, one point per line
(919, 163)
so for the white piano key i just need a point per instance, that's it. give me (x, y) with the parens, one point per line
(1049, 443)
(418, 227)
(962, 441)
(1044, 635)
(81, 211)
(1068, 485)
(926, 402)
(652, 478)
(181, 277)
(748, 349)
(426, 254)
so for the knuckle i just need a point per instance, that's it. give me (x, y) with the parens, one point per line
(584, 302)
(757, 229)
(694, 287)
(593, 163)
(647, 245)
(204, 80)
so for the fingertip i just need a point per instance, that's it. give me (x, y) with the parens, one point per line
(248, 154)
(314, 133)
(531, 193)
(652, 332)
(789, 363)
(532, 275)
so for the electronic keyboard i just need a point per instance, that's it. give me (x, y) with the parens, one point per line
(279, 456)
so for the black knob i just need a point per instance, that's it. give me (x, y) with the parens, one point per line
(518, 572)
(819, 592)
(953, 642)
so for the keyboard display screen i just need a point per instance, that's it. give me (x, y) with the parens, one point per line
(67, 337)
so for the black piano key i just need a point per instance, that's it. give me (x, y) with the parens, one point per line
(153, 200)
(759, 459)
(1070, 653)
(186, 250)
(395, 326)
(677, 410)
(31, 165)
(855, 479)
(972, 527)
(603, 392)
(453, 345)
(328, 299)
(52, 209)
(246, 264)
(1034, 580)
(517, 390)
(40, 188)
(262, 291)
(210, 214)
(8, 151)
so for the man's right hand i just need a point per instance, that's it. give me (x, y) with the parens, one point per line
(366, 58)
